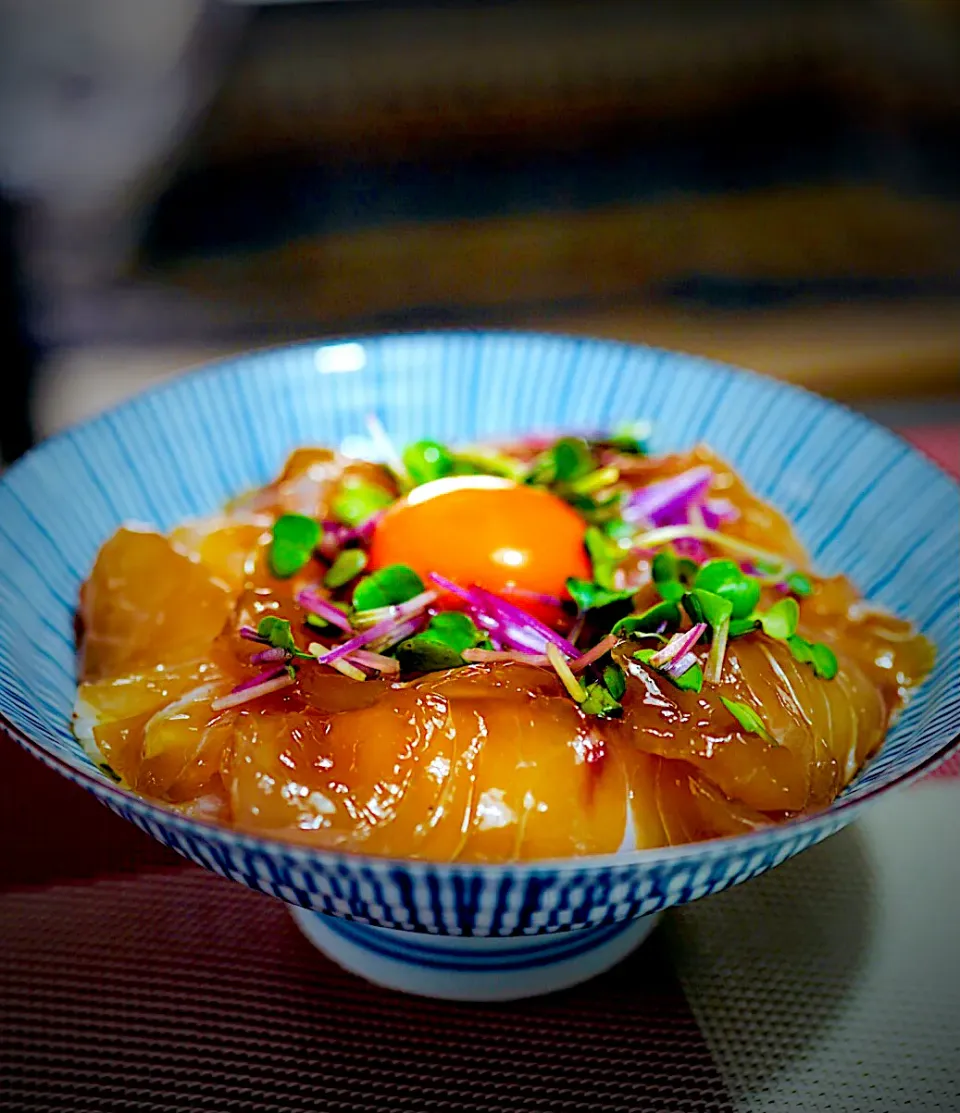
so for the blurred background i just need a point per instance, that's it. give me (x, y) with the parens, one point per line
(772, 183)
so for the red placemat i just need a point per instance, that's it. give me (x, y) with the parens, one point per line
(130, 980)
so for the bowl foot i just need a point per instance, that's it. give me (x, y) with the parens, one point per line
(466, 968)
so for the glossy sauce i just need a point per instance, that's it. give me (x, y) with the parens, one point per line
(482, 763)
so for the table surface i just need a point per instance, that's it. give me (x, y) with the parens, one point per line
(130, 980)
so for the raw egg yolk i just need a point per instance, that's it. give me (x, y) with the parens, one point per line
(486, 531)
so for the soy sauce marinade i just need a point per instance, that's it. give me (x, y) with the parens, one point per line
(551, 649)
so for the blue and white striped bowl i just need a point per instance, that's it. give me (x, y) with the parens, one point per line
(865, 503)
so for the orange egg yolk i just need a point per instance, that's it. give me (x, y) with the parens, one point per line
(486, 531)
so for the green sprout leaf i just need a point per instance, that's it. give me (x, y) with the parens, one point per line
(425, 653)
(318, 622)
(765, 568)
(671, 590)
(800, 584)
(594, 481)
(618, 530)
(278, 633)
(780, 621)
(650, 621)
(664, 567)
(386, 587)
(666, 576)
(689, 681)
(725, 578)
(747, 718)
(589, 596)
(693, 605)
(631, 438)
(687, 570)
(615, 681)
(571, 459)
(295, 536)
(428, 460)
(440, 646)
(605, 556)
(820, 656)
(715, 608)
(357, 501)
(599, 702)
(480, 462)
(348, 565)
(741, 626)
(825, 663)
(457, 630)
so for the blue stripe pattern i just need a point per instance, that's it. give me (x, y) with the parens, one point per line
(864, 502)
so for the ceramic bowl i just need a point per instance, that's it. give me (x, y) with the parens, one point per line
(864, 502)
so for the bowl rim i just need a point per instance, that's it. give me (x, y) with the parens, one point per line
(842, 809)
(225, 364)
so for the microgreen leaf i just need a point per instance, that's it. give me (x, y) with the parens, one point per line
(571, 458)
(615, 681)
(747, 718)
(822, 657)
(687, 570)
(440, 646)
(426, 653)
(689, 681)
(318, 622)
(457, 630)
(617, 529)
(724, 577)
(358, 500)
(589, 596)
(600, 702)
(595, 481)
(716, 610)
(801, 649)
(665, 570)
(479, 462)
(741, 626)
(605, 555)
(294, 538)
(825, 663)
(765, 567)
(394, 584)
(781, 620)
(664, 566)
(671, 590)
(278, 633)
(348, 564)
(630, 438)
(428, 460)
(799, 584)
(649, 621)
(693, 605)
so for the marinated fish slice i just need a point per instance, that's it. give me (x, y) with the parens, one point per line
(146, 604)
(888, 649)
(691, 809)
(230, 547)
(182, 745)
(809, 721)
